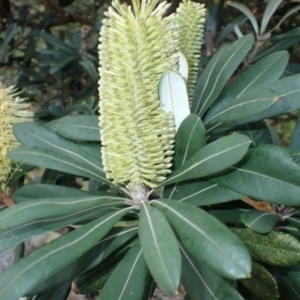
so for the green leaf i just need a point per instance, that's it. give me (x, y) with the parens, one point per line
(228, 215)
(56, 42)
(268, 13)
(190, 138)
(79, 127)
(269, 175)
(201, 283)
(33, 218)
(294, 273)
(90, 68)
(66, 155)
(160, 248)
(30, 271)
(260, 75)
(202, 193)
(173, 96)
(9, 33)
(248, 104)
(281, 45)
(288, 91)
(212, 158)
(262, 284)
(38, 191)
(218, 71)
(129, 278)
(207, 239)
(57, 160)
(295, 140)
(290, 12)
(116, 238)
(260, 221)
(247, 12)
(275, 248)
(287, 287)
(60, 293)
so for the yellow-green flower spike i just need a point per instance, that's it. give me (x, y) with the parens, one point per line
(190, 18)
(137, 47)
(12, 110)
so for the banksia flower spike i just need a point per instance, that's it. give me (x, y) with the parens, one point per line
(137, 47)
(190, 19)
(12, 110)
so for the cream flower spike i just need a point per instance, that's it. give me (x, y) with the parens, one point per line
(190, 18)
(136, 48)
(12, 111)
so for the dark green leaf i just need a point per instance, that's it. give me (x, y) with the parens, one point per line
(129, 278)
(201, 193)
(260, 221)
(207, 239)
(92, 258)
(9, 33)
(60, 293)
(269, 175)
(212, 158)
(54, 41)
(217, 72)
(160, 248)
(48, 215)
(90, 68)
(79, 127)
(73, 157)
(295, 140)
(288, 91)
(30, 271)
(261, 74)
(262, 284)
(248, 104)
(287, 287)
(274, 248)
(201, 283)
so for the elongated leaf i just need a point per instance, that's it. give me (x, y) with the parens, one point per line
(217, 72)
(93, 257)
(294, 273)
(287, 287)
(202, 193)
(228, 215)
(207, 239)
(30, 271)
(129, 278)
(260, 221)
(54, 41)
(288, 91)
(262, 284)
(190, 138)
(174, 96)
(33, 218)
(40, 191)
(33, 135)
(268, 13)
(259, 75)
(275, 248)
(271, 171)
(295, 140)
(246, 11)
(57, 161)
(212, 158)
(9, 33)
(201, 283)
(281, 45)
(160, 248)
(79, 127)
(60, 293)
(289, 13)
(248, 104)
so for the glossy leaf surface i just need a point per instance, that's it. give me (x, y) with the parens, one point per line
(79, 127)
(29, 272)
(271, 171)
(160, 248)
(212, 158)
(128, 280)
(205, 237)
